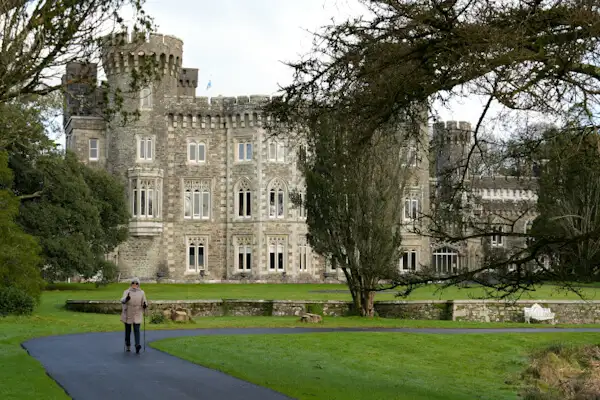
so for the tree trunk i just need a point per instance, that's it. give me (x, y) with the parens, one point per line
(367, 300)
(354, 291)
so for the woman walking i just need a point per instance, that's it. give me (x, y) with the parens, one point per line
(134, 303)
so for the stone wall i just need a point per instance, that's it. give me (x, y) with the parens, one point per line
(567, 311)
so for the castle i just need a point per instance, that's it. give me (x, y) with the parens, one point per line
(209, 190)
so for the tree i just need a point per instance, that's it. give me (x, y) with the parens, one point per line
(400, 57)
(354, 213)
(567, 231)
(19, 252)
(40, 37)
(78, 214)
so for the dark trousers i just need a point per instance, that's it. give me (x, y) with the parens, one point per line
(136, 334)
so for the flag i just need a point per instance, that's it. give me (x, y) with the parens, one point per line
(209, 84)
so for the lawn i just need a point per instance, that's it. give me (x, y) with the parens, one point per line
(390, 366)
(22, 377)
(292, 292)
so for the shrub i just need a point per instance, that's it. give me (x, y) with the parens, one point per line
(15, 301)
(314, 308)
(157, 317)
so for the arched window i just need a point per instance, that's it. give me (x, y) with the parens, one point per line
(146, 97)
(276, 195)
(445, 260)
(196, 200)
(244, 199)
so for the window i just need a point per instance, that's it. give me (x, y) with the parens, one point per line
(411, 209)
(303, 256)
(196, 254)
(93, 149)
(276, 200)
(244, 253)
(145, 148)
(196, 152)
(445, 260)
(410, 156)
(301, 207)
(244, 151)
(528, 239)
(244, 199)
(196, 200)
(497, 240)
(408, 261)
(276, 151)
(146, 97)
(276, 260)
(146, 198)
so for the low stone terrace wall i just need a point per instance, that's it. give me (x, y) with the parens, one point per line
(567, 311)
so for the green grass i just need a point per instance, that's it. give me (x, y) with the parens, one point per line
(22, 377)
(293, 292)
(387, 366)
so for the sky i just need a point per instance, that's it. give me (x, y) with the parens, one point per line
(241, 45)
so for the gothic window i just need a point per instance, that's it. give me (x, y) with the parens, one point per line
(196, 152)
(145, 148)
(146, 97)
(445, 260)
(244, 151)
(94, 149)
(301, 206)
(196, 199)
(276, 151)
(146, 197)
(196, 253)
(244, 199)
(409, 155)
(276, 253)
(244, 253)
(276, 200)
(408, 261)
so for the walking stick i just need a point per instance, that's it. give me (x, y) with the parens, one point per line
(145, 330)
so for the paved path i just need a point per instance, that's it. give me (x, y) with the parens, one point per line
(93, 365)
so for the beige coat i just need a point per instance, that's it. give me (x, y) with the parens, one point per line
(133, 309)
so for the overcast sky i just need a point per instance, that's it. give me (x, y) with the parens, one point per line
(240, 45)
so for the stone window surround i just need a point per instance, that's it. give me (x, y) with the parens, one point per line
(243, 203)
(441, 255)
(497, 239)
(200, 186)
(412, 207)
(304, 254)
(146, 98)
(142, 178)
(196, 142)
(276, 199)
(276, 151)
(247, 143)
(243, 246)
(276, 253)
(138, 143)
(411, 256)
(199, 241)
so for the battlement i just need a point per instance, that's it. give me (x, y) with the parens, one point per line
(216, 112)
(457, 132)
(123, 52)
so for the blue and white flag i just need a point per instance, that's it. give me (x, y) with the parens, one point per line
(209, 84)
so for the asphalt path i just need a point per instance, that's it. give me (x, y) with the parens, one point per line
(94, 366)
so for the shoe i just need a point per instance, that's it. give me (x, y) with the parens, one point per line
(128, 349)
(137, 348)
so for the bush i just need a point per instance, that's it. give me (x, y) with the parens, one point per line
(157, 318)
(315, 308)
(15, 301)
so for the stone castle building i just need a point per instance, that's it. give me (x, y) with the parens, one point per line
(209, 190)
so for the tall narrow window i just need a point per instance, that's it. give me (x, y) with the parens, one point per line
(276, 200)
(244, 199)
(196, 200)
(302, 207)
(497, 240)
(146, 97)
(196, 253)
(303, 256)
(94, 152)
